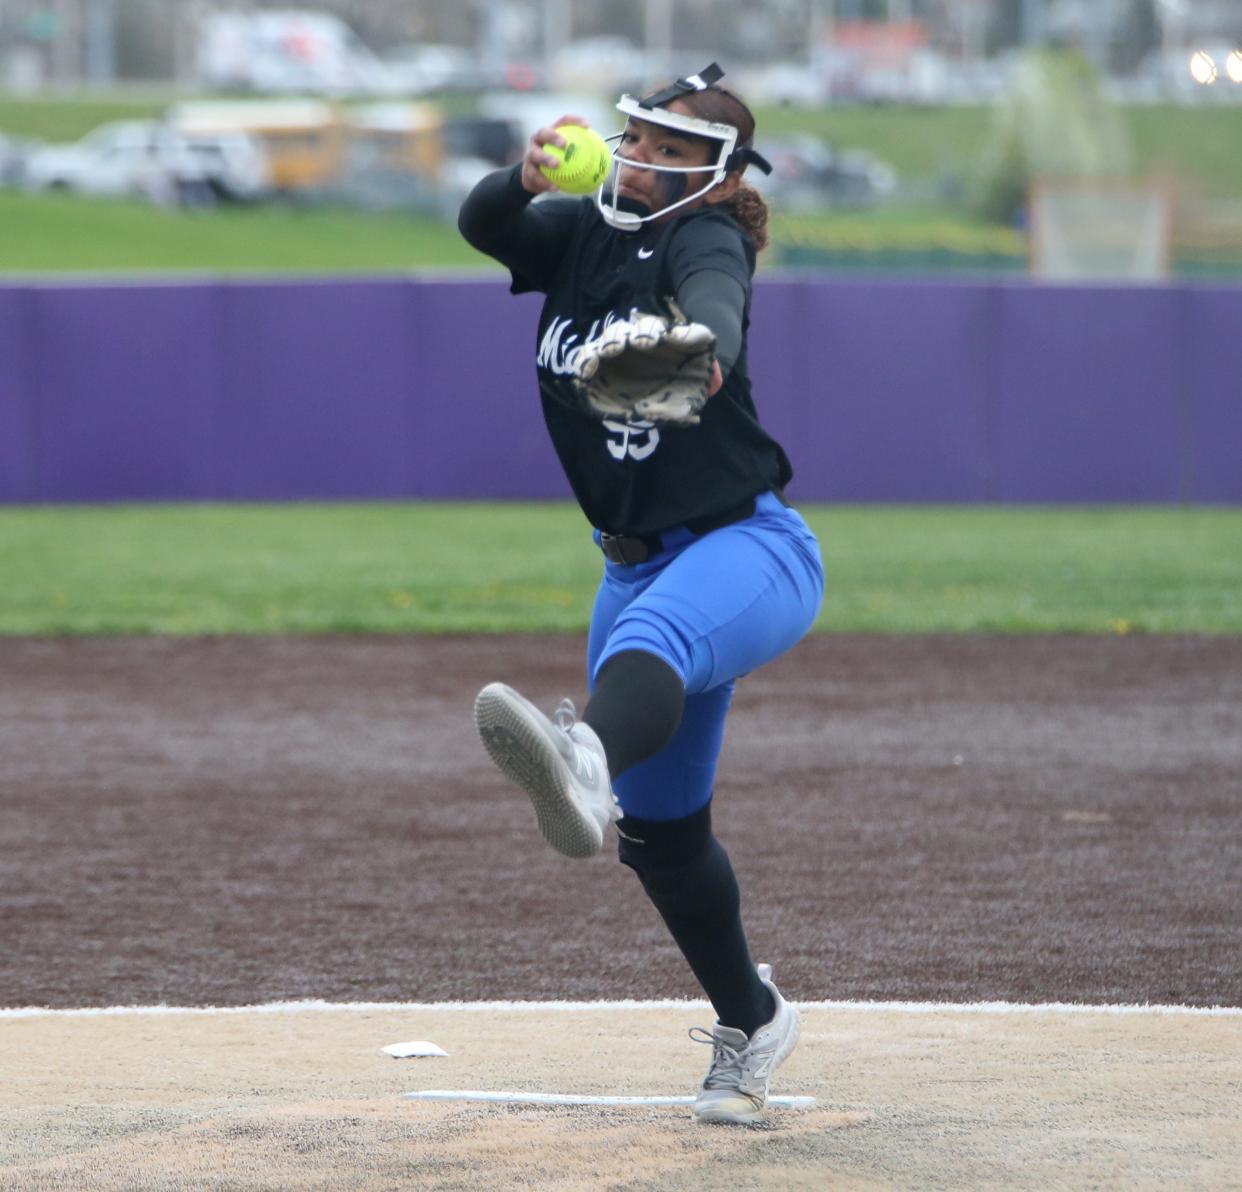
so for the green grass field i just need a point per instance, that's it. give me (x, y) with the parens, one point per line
(435, 568)
(63, 233)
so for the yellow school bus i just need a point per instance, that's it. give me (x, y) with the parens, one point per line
(305, 140)
(400, 138)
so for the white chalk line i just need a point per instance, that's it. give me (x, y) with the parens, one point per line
(566, 1007)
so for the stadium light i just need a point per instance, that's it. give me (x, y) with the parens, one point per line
(1233, 66)
(1203, 68)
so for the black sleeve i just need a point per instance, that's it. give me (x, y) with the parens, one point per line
(717, 300)
(500, 219)
(710, 265)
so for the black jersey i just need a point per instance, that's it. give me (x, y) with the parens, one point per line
(637, 477)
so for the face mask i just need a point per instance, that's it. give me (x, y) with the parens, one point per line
(630, 215)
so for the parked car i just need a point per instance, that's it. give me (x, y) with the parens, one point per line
(534, 109)
(126, 158)
(808, 174)
(149, 158)
(426, 69)
(287, 52)
(789, 84)
(13, 155)
(235, 164)
(603, 65)
(493, 139)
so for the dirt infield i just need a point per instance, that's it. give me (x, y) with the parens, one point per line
(306, 1100)
(227, 821)
(232, 821)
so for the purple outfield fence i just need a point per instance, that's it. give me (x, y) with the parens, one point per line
(385, 389)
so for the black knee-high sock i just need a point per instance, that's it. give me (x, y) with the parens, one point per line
(687, 875)
(635, 708)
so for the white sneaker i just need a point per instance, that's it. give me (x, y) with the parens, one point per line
(561, 767)
(736, 1086)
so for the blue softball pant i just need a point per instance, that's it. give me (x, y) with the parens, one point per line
(714, 608)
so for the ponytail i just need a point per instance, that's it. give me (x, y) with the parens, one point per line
(750, 209)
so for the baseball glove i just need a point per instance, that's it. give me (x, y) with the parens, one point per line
(648, 367)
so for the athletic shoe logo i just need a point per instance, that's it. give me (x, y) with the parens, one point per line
(645, 254)
(760, 1070)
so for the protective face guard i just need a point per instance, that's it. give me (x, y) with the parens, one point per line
(607, 199)
(651, 110)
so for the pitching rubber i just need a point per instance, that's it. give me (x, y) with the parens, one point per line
(517, 737)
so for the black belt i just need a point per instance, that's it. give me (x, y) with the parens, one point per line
(638, 548)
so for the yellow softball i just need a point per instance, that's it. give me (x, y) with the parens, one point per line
(584, 162)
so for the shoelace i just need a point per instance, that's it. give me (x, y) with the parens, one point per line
(727, 1066)
(585, 762)
(566, 715)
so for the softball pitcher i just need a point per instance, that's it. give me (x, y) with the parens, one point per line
(708, 573)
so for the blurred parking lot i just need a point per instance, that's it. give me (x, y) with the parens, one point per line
(918, 138)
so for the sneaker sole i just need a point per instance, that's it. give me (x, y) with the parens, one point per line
(521, 750)
(723, 1117)
(719, 1116)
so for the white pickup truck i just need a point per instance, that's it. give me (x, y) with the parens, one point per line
(148, 158)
